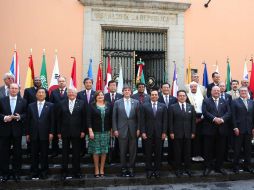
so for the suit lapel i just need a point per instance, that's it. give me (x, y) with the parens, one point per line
(123, 106)
(9, 105)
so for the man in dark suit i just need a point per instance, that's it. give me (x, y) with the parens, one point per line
(223, 93)
(168, 100)
(216, 81)
(39, 131)
(245, 83)
(8, 79)
(141, 96)
(87, 96)
(12, 115)
(30, 97)
(126, 125)
(216, 113)
(182, 126)
(30, 93)
(243, 127)
(111, 97)
(71, 129)
(56, 97)
(153, 130)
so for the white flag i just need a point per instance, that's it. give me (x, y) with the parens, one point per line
(55, 76)
(120, 79)
(245, 72)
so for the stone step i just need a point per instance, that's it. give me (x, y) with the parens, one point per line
(110, 180)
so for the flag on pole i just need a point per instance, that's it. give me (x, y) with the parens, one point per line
(229, 77)
(108, 76)
(245, 71)
(30, 73)
(217, 67)
(188, 76)
(55, 75)
(99, 78)
(90, 69)
(73, 80)
(205, 77)
(251, 87)
(14, 68)
(120, 79)
(43, 75)
(174, 88)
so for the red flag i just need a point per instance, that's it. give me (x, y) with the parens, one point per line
(108, 77)
(99, 78)
(30, 73)
(251, 87)
(73, 80)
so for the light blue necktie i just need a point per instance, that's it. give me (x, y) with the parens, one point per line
(127, 107)
(40, 109)
(13, 105)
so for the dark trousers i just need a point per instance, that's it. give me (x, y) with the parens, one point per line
(83, 145)
(153, 145)
(54, 143)
(214, 148)
(39, 150)
(170, 150)
(197, 142)
(128, 145)
(75, 142)
(182, 149)
(5, 148)
(243, 140)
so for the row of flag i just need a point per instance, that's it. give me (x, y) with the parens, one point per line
(229, 76)
(14, 69)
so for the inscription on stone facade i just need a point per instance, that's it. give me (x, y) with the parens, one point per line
(133, 17)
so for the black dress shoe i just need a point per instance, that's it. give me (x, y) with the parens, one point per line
(157, 175)
(124, 173)
(131, 173)
(247, 169)
(178, 173)
(5, 178)
(35, 177)
(77, 176)
(207, 171)
(16, 178)
(236, 170)
(149, 174)
(223, 172)
(189, 173)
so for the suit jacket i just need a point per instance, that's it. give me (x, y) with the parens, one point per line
(2, 91)
(55, 96)
(71, 125)
(30, 95)
(243, 119)
(171, 100)
(94, 120)
(210, 111)
(209, 89)
(14, 127)
(40, 127)
(182, 124)
(233, 94)
(82, 96)
(146, 97)
(228, 98)
(154, 125)
(122, 123)
(108, 98)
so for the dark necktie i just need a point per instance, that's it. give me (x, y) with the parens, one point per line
(183, 110)
(216, 103)
(166, 100)
(113, 98)
(154, 109)
(141, 98)
(61, 93)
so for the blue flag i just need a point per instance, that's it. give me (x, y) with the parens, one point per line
(90, 69)
(205, 77)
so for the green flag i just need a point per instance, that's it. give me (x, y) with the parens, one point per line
(43, 75)
(228, 87)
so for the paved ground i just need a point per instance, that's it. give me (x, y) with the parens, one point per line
(229, 185)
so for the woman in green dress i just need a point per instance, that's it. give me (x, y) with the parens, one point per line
(99, 127)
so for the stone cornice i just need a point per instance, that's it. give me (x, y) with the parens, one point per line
(161, 5)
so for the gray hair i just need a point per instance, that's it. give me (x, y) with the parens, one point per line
(7, 75)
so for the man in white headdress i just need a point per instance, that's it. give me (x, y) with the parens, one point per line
(200, 89)
(195, 97)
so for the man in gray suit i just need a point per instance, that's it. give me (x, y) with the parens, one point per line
(126, 124)
(8, 79)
